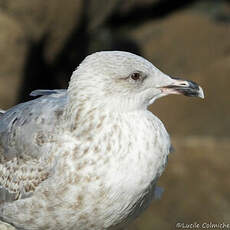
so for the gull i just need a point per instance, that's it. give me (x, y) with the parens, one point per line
(87, 157)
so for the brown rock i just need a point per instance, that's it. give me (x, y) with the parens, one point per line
(12, 56)
(183, 43)
(99, 11)
(52, 18)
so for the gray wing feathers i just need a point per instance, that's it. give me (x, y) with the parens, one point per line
(171, 149)
(2, 112)
(7, 196)
(42, 92)
(24, 127)
(26, 131)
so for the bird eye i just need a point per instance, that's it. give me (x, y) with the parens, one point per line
(135, 76)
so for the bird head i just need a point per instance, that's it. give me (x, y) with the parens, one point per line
(125, 81)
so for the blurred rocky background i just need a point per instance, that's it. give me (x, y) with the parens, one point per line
(41, 43)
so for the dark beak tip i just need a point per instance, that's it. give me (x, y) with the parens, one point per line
(187, 88)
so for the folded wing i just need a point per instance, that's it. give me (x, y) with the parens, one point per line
(27, 133)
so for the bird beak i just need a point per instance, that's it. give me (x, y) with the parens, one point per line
(184, 87)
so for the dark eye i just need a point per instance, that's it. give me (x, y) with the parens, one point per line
(135, 76)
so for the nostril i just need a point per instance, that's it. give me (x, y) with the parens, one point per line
(193, 85)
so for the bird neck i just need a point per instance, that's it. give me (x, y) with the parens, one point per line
(84, 114)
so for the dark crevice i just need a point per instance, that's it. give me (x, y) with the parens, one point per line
(36, 71)
(143, 14)
(39, 74)
(75, 48)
